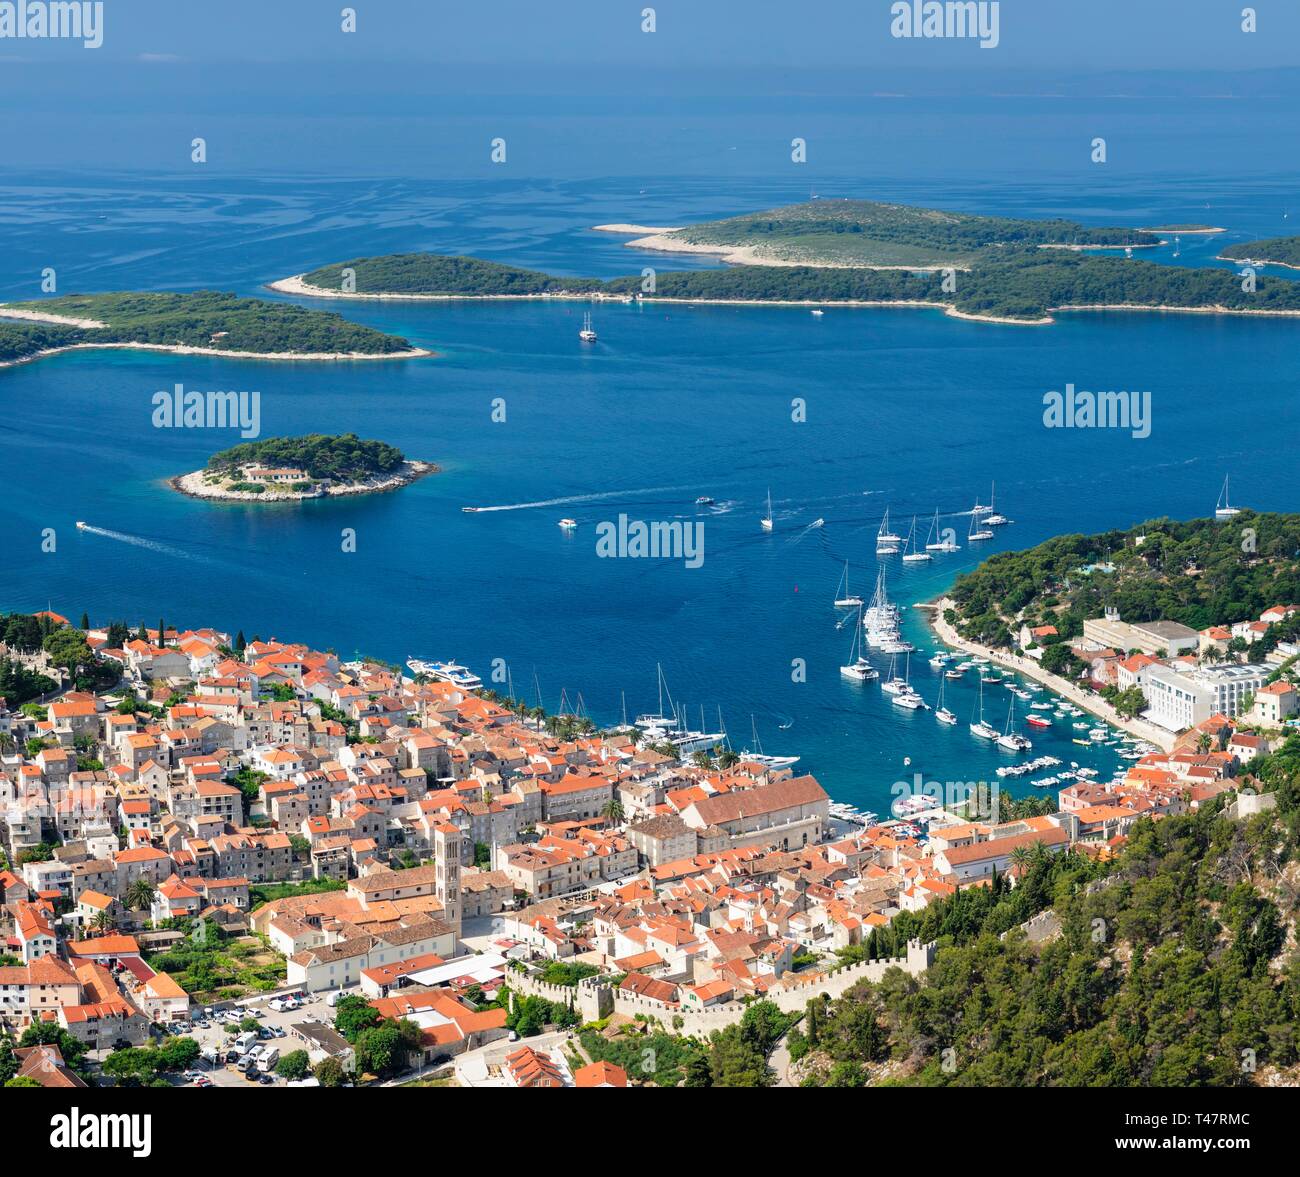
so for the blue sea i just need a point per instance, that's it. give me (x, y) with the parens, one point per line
(905, 410)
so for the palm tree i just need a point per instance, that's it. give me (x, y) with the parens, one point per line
(613, 811)
(139, 895)
(1020, 860)
(104, 921)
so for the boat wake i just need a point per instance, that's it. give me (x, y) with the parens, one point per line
(140, 541)
(591, 498)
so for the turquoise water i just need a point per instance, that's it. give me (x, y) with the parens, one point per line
(905, 409)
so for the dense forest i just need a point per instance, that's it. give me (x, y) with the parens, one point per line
(1285, 250)
(1200, 572)
(1018, 283)
(433, 273)
(342, 458)
(203, 319)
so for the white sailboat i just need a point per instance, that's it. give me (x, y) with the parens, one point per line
(910, 554)
(1010, 740)
(942, 714)
(766, 522)
(1224, 509)
(935, 541)
(587, 334)
(886, 541)
(981, 728)
(993, 519)
(859, 669)
(844, 599)
(977, 529)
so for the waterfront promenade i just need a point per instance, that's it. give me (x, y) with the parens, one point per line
(1089, 700)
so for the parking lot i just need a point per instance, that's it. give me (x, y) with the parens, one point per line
(278, 1026)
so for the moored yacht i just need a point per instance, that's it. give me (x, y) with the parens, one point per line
(910, 554)
(939, 544)
(587, 334)
(886, 541)
(1223, 508)
(844, 599)
(766, 522)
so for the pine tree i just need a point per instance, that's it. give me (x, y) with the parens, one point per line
(240, 643)
(85, 622)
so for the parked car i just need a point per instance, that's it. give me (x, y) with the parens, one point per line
(278, 1031)
(266, 1080)
(203, 1081)
(264, 1032)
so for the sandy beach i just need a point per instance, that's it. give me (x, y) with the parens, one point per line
(1030, 668)
(193, 484)
(184, 350)
(8, 312)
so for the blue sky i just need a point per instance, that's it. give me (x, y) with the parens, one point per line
(1065, 34)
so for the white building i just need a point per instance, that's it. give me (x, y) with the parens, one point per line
(1178, 701)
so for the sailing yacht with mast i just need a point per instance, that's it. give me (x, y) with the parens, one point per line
(766, 522)
(1013, 741)
(993, 519)
(859, 669)
(761, 757)
(910, 554)
(886, 541)
(942, 714)
(845, 599)
(1224, 509)
(977, 529)
(587, 334)
(982, 728)
(935, 542)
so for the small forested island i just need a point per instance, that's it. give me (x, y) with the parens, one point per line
(204, 322)
(1199, 573)
(851, 253)
(1275, 251)
(314, 466)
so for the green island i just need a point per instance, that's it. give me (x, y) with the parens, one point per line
(1276, 251)
(851, 252)
(870, 233)
(201, 322)
(1194, 572)
(313, 466)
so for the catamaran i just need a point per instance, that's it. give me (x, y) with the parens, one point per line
(942, 714)
(845, 599)
(859, 669)
(939, 544)
(985, 731)
(910, 554)
(886, 541)
(993, 519)
(1223, 509)
(766, 522)
(587, 334)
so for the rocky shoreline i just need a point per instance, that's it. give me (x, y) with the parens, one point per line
(195, 486)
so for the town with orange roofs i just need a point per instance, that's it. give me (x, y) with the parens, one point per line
(250, 862)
